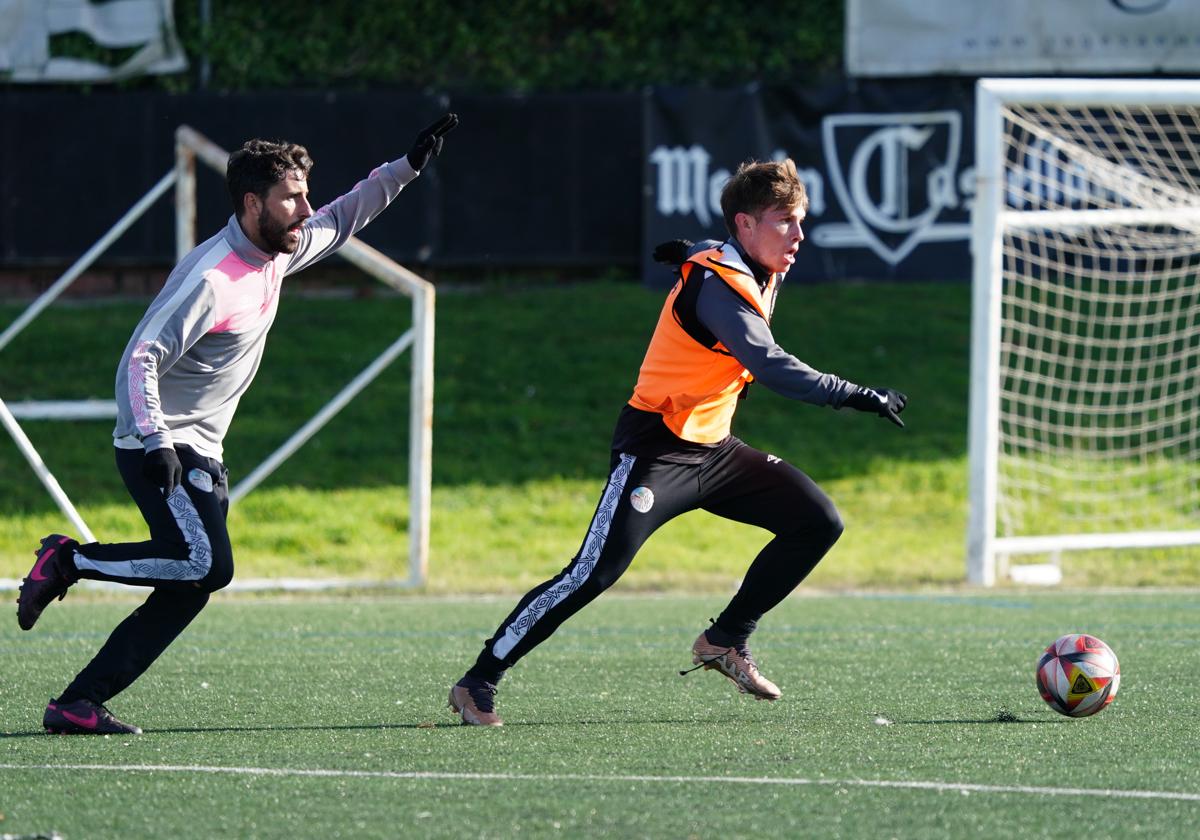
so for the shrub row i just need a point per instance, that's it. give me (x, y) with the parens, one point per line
(486, 46)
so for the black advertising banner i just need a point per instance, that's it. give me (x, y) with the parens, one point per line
(495, 198)
(888, 166)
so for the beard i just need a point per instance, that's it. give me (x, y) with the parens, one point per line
(274, 234)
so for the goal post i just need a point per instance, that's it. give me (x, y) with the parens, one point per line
(1085, 351)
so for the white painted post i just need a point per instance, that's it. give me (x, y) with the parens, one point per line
(983, 439)
(43, 473)
(420, 440)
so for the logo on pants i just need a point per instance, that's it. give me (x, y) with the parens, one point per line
(642, 499)
(200, 479)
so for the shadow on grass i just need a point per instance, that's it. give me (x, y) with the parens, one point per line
(998, 719)
(369, 727)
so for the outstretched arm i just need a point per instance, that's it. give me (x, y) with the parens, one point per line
(746, 334)
(336, 222)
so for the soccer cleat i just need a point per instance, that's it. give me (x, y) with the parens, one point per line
(51, 576)
(83, 717)
(474, 701)
(735, 662)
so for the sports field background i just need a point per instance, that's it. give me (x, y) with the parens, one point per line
(529, 379)
(909, 705)
(903, 715)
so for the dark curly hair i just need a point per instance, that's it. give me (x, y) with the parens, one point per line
(259, 165)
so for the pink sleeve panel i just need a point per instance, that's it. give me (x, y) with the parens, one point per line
(141, 367)
(242, 295)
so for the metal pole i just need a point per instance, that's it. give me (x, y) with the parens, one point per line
(185, 199)
(81, 265)
(420, 436)
(321, 417)
(986, 290)
(43, 472)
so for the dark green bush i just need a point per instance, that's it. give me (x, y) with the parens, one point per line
(520, 45)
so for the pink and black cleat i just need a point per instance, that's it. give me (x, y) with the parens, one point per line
(83, 717)
(51, 576)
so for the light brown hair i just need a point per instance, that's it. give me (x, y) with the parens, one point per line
(759, 186)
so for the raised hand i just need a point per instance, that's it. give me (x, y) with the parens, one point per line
(428, 144)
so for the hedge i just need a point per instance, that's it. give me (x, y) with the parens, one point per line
(489, 46)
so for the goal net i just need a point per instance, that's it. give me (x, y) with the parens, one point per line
(1085, 373)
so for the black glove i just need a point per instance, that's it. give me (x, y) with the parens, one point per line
(428, 144)
(882, 401)
(674, 252)
(162, 468)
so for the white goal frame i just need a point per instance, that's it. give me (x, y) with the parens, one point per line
(191, 146)
(990, 218)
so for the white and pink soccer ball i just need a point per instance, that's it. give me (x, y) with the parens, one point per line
(1078, 675)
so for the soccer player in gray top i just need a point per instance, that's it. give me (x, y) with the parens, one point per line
(188, 363)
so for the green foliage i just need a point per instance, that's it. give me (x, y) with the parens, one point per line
(523, 45)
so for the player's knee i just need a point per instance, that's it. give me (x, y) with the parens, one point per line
(600, 580)
(220, 574)
(834, 526)
(213, 583)
(189, 600)
(607, 569)
(827, 526)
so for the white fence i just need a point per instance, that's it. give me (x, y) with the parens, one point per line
(191, 146)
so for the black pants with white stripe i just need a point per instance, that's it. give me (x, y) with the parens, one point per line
(187, 557)
(736, 482)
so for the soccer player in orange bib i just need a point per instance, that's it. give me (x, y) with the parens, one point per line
(672, 450)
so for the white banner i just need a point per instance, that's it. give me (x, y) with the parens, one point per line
(147, 26)
(1021, 37)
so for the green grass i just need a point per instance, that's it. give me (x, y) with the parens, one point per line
(602, 737)
(529, 380)
(1053, 493)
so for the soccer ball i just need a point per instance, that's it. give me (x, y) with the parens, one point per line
(1078, 675)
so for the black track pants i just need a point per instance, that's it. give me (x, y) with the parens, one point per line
(736, 482)
(187, 557)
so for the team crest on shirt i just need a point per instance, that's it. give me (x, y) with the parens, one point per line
(201, 480)
(642, 499)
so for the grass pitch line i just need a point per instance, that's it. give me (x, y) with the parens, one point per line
(961, 787)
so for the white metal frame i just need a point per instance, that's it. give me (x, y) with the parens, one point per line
(190, 145)
(989, 220)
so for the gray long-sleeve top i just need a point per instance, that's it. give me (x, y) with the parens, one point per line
(199, 345)
(747, 335)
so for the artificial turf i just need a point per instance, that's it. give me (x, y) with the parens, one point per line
(904, 715)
